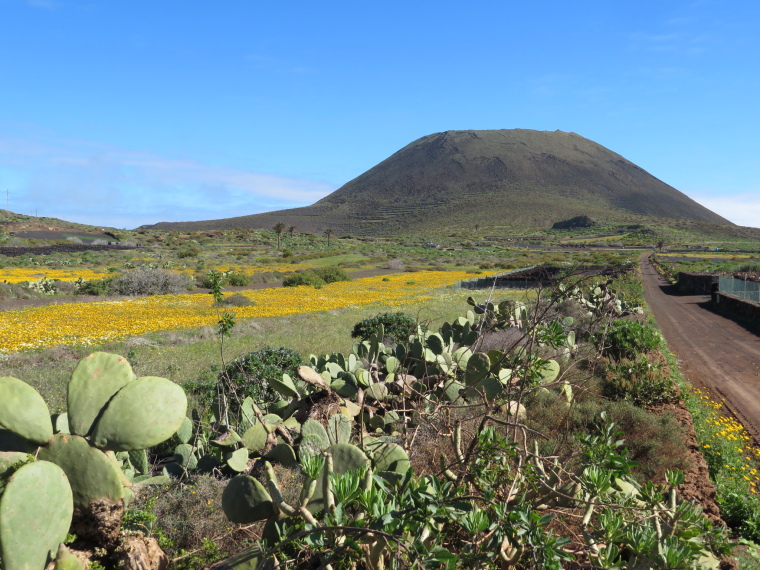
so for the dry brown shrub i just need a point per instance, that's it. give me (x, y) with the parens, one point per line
(189, 512)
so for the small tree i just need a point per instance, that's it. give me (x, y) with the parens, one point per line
(328, 233)
(291, 229)
(279, 227)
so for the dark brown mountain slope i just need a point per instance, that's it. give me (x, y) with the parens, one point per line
(495, 178)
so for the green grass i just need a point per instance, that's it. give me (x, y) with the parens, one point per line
(747, 554)
(338, 259)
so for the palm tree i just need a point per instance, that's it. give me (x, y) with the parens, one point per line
(328, 233)
(279, 227)
(291, 229)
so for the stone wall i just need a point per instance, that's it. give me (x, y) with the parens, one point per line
(63, 248)
(697, 283)
(747, 310)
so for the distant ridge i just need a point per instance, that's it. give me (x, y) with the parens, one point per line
(490, 178)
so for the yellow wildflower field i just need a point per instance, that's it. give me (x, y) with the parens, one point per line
(19, 274)
(94, 323)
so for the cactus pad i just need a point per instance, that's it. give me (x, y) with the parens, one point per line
(91, 473)
(23, 411)
(65, 560)
(490, 387)
(237, 460)
(139, 459)
(61, 423)
(436, 344)
(94, 382)
(251, 558)
(245, 500)
(149, 480)
(452, 390)
(313, 427)
(283, 454)
(142, 414)
(35, 514)
(346, 458)
(378, 391)
(184, 454)
(339, 429)
(549, 372)
(185, 431)
(312, 444)
(345, 385)
(10, 458)
(284, 386)
(390, 461)
(207, 463)
(478, 366)
(255, 437)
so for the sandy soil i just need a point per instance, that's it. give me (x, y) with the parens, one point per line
(714, 352)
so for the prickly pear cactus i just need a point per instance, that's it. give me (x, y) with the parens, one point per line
(95, 380)
(245, 500)
(144, 413)
(23, 411)
(91, 473)
(35, 514)
(550, 371)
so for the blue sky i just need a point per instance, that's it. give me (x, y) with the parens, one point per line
(127, 113)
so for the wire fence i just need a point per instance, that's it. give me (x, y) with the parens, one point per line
(747, 290)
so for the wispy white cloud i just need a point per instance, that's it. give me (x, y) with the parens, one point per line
(741, 208)
(76, 179)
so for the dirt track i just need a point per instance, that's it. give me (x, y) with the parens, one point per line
(714, 352)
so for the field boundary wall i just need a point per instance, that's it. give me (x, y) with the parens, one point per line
(748, 310)
(68, 248)
(697, 283)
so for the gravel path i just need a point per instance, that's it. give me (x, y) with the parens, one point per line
(713, 351)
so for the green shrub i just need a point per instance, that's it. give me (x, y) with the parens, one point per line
(331, 274)
(204, 280)
(316, 277)
(145, 281)
(249, 375)
(187, 514)
(238, 279)
(398, 326)
(655, 442)
(749, 268)
(303, 278)
(741, 511)
(627, 339)
(188, 251)
(96, 287)
(639, 381)
(236, 300)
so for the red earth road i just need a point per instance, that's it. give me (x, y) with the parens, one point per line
(713, 352)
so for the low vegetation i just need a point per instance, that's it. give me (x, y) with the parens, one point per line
(520, 433)
(433, 452)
